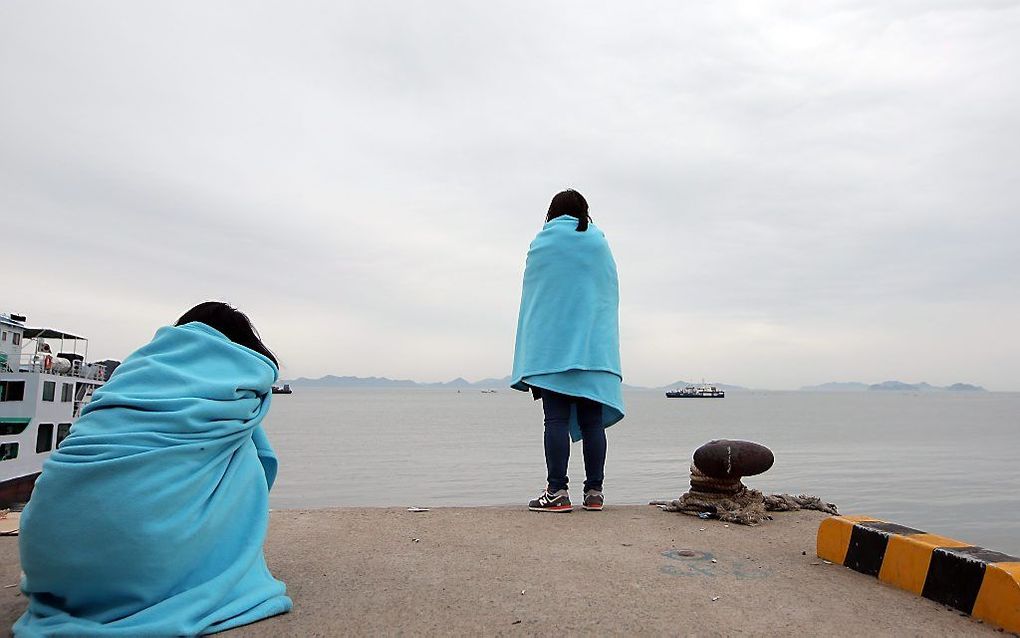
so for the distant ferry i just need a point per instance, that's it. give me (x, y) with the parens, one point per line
(697, 392)
(45, 381)
(282, 389)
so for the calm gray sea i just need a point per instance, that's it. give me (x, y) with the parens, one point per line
(947, 463)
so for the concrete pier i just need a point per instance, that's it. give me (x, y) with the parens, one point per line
(630, 570)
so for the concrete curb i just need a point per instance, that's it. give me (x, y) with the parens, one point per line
(974, 580)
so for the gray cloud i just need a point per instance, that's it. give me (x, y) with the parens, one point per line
(795, 191)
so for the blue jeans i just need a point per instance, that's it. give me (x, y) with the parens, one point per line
(557, 439)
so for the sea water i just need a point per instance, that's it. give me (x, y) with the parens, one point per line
(948, 463)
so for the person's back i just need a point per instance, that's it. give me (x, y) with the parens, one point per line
(149, 518)
(567, 348)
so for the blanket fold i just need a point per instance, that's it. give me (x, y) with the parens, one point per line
(568, 334)
(149, 518)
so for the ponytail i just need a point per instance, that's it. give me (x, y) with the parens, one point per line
(572, 203)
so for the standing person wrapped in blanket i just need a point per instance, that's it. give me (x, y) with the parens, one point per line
(149, 518)
(568, 346)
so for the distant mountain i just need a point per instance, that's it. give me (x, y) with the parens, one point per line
(333, 381)
(891, 386)
(964, 387)
(722, 386)
(493, 382)
(460, 383)
(895, 386)
(925, 387)
(836, 386)
(675, 384)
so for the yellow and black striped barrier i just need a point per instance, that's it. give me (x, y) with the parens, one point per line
(977, 581)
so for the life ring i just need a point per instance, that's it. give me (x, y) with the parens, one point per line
(48, 362)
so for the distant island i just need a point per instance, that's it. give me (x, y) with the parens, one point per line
(334, 381)
(891, 386)
(683, 384)
(460, 383)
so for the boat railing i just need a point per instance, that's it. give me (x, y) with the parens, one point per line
(77, 369)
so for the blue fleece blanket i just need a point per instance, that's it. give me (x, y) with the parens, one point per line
(149, 518)
(568, 334)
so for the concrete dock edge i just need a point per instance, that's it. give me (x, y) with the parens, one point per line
(977, 581)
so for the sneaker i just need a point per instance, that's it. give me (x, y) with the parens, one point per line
(551, 502)
(593, 500)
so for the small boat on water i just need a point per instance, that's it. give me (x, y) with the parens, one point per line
(696, 392)
(282, 389)
(44, 384)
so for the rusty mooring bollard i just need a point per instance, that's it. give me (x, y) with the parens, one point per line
(717, 491)
(719, 465)
(725, 459)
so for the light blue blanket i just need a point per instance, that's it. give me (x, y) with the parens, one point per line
(149, 518)
(568, 334)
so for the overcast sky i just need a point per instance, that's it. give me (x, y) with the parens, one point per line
(795, 192)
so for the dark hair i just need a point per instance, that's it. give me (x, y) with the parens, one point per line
(570, 202)
(231, 322)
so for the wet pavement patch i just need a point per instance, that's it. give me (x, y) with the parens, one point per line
(690, 563)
